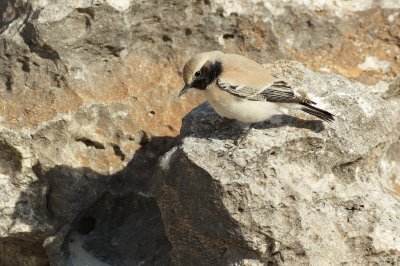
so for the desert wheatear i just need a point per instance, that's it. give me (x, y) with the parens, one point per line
(242, 89)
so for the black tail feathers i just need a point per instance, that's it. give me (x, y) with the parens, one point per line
(322, 114)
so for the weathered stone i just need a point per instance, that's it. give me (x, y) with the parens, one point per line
(49, 183)
(294, 193)
(88, 103)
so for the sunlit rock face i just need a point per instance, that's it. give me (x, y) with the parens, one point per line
(294, 192)
(88, 97)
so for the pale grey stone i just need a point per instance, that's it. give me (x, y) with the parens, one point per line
(290, 194)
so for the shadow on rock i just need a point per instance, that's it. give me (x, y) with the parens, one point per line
(291, 121)
(201, 229)
(138, 174)
(97, 219)
(208, 124)
(119, 230)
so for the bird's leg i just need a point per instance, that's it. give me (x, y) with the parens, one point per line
(242, 137)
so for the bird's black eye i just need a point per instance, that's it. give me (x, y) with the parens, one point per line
(197, 74)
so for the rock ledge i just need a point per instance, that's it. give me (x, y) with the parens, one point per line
(295, 193)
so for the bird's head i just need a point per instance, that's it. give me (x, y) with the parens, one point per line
(201, 70)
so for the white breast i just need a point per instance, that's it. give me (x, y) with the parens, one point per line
(246, 111)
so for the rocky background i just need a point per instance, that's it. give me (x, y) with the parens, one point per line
(88, 97)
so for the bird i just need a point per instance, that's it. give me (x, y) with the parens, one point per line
(242, 89)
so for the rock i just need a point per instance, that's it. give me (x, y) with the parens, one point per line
(88, 104)
(83, 52)
(297, 192)
(71, 168)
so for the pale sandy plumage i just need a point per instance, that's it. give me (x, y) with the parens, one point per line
(241, 89)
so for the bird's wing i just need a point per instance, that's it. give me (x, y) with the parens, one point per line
(277, 91)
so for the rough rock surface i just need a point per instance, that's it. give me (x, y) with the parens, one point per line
(297, 192)
(52, 188)
(88, 103)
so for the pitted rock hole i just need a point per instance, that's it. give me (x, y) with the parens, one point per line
(10, 160)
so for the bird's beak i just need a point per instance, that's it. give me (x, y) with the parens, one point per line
(184, 89)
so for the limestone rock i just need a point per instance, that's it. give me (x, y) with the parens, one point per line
(88, 104)
(295, 193)
(77, 176)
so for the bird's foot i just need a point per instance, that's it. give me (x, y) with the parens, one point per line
(239, 141)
